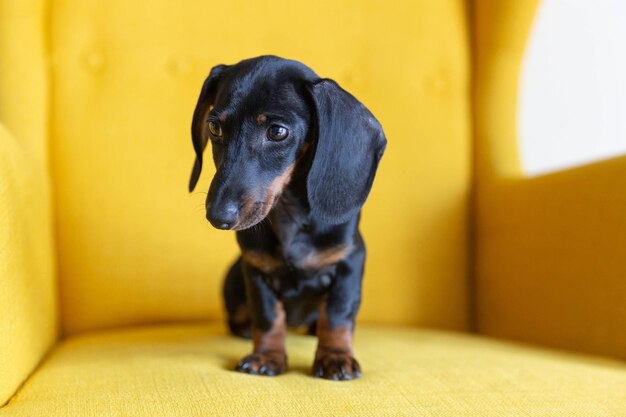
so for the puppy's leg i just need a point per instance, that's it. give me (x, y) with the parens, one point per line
(235, 301)
(268, 327)
(334, 358)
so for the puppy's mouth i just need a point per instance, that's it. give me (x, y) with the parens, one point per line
(252, 215)
(255, 212)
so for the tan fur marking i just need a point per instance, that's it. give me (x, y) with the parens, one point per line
(268, 357)
(260, 119)
(241, 314)
(262, 261)
(276, 188)
(325, 257)
(247, 209)
(334, 340)
(273, 340)
(334, 358)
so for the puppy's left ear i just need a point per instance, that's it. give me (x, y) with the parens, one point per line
(350, 143)
(199, 135)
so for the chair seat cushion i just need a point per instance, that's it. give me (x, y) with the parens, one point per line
(185, 370)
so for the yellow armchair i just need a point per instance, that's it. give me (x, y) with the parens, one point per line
(110, 278)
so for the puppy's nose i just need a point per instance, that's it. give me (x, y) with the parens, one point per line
(223, 217)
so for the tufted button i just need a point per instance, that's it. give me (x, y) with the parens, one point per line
(93, 60)
(178, 66)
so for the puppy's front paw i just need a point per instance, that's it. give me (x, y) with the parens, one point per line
(338, 366)
(269, 364)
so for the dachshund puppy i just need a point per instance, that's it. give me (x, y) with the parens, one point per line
(296, 156)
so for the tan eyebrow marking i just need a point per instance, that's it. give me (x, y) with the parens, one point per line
(260, 119)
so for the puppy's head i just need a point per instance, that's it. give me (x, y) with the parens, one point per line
(260, 116)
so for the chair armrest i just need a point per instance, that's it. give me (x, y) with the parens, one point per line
(551, 258)
(28, 305)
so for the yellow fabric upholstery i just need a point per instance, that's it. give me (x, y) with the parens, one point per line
(27, 283)
(185, 371)
(102, 92)
(24, 88)
(550, 251)
(552, 259)
(28, 294)
(134, 247)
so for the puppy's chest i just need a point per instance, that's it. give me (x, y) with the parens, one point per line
(299, 244)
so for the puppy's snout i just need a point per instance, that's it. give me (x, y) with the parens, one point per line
(222, 216)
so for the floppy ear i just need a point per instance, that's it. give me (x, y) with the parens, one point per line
(199, 135)
(350, 142)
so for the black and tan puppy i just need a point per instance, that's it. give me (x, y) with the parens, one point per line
(296, 156)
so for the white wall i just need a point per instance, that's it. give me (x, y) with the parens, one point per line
(572, 106)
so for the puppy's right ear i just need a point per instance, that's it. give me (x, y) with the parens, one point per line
(199, 135)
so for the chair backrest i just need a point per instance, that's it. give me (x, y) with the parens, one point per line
(134, 247)
(28, 292)
(550, 251)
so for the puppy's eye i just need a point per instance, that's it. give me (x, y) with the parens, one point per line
(215, 128)
(277, 133)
